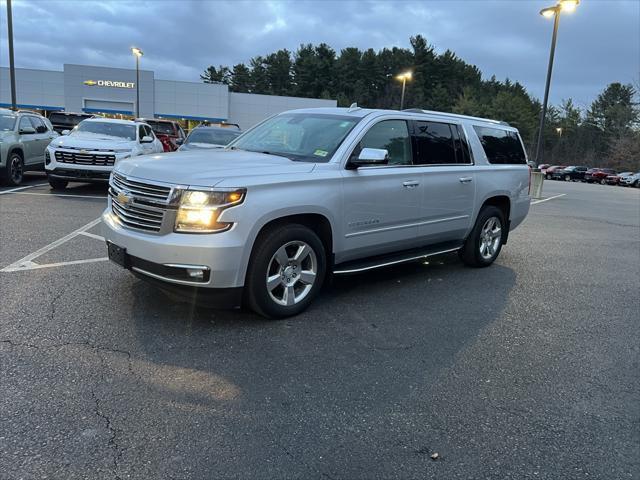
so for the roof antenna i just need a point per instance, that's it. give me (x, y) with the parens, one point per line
(354, 106)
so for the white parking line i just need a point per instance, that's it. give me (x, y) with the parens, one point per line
(535, 202)
(92, 235)
(27, 263)
(61, 195)
(18, 189)
(35, 266)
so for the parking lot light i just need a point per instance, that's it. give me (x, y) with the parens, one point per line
(404, 77)
(554, 11)
(137, 53)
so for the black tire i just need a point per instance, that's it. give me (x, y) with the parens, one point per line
(548, 175)
(470, 253)
(57, 183)
(603, 182)
(258, 296)
(567, 178)
(15, 169)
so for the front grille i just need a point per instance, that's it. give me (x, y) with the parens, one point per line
(86, 158)
(136, 216)
(140, 189)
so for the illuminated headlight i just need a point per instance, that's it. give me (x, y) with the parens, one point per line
(199, 210)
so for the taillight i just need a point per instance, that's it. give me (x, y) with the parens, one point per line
(529, 191)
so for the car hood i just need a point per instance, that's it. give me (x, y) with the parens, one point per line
(92, 142)
(208, 167)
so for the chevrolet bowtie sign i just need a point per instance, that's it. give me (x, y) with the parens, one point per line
(109, 83)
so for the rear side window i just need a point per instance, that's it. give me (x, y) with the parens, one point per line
(501, 146)
(437, 143)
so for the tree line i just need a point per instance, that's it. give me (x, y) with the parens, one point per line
(606, 133)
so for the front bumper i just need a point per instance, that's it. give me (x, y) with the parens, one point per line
(220, 253)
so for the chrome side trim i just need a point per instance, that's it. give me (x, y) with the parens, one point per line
(166, 279)
(186, 265)
(408, 225)
(395, 262)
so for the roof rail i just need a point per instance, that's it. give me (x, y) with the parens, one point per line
(454, 115)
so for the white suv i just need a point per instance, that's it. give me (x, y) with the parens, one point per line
(310, 192)
(89, 152)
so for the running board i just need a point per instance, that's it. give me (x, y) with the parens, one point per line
(356, 266)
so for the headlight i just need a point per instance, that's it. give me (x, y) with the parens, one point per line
(199, 210)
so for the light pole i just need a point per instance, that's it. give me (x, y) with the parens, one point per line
(137, 53)
(561, 6)
(12, 67)
(404, 77)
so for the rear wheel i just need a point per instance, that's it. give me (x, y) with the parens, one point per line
(548, 175)
(15, 169)
(286, 271)
(484, 243)
(567, 178)
(603, 182)
(58, 184)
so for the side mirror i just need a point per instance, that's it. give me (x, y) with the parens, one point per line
(371, 156)
(146, 139)
(179, 141)
(27, 130)
(66, 132)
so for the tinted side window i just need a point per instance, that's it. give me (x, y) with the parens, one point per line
(501, 146)
(38, 124)
(25, 123)
(392, 135)
(141, 132)
(434, 143)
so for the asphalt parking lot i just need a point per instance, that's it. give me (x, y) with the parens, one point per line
(527, 369)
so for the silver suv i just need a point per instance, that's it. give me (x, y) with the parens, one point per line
(308, 193)
(24, 137)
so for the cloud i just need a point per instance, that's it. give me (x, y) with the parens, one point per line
(598, 44)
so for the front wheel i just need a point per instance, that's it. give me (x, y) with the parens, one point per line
(286, 271)
(548, 176)
(15, 170)
(567, 178)
(484, 243)
(603, 182)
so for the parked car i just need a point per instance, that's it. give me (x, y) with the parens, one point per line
(620, 177)
(543, 167)
(570, 174)
(631, 180)
(62, 121)
(94, 146)
(209, 137)
(598, 175)
(549, 171)
(313, 191)
(24, 136)
(170, 133)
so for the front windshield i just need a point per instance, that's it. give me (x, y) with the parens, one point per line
(298, 136)
(107, 129)
(212, 136)
(7, 122)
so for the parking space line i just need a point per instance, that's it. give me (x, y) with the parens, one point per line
(92, 235)
(18, 189)
(35, 266)
(61, 195)
(26, 263)
(535, 202)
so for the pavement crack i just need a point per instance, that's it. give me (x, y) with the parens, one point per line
(113, 439)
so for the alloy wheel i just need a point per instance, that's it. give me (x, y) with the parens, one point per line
(490, 237)
(16, 170)
(291, 273)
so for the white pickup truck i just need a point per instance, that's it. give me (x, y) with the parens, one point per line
(312, 192)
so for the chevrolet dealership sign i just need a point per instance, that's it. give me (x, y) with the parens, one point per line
(109, 83)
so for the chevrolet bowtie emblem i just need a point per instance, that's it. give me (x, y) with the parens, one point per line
(123, 198)
(91, 83)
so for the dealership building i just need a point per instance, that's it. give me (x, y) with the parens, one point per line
(112, 92)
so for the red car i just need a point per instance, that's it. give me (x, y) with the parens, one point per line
(169, 133)
(598, 175)
(548, 173)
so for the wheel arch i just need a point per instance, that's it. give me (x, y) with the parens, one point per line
(503, 202)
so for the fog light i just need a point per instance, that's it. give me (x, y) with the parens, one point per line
(196, 273)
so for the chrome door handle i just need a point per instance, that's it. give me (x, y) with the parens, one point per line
(465, 179)
(410, 184)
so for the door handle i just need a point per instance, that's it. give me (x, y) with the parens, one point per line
(410, 184)
(465, 179)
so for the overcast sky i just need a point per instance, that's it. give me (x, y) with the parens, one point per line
(598, 44)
